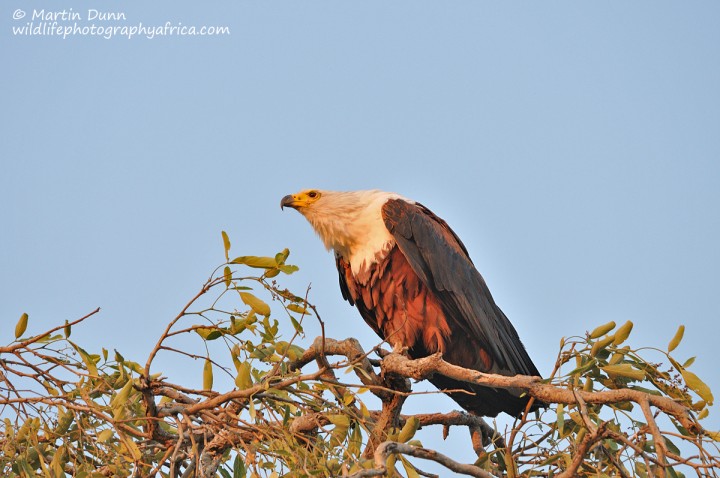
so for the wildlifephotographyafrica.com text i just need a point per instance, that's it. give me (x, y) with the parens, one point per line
(105, 24)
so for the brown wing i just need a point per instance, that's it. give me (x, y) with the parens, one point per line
(441, 261)
(426, 294)
(422, 327)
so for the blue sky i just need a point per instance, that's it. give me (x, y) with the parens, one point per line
(573, 146)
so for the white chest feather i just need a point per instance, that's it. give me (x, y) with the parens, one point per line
(377, 242)
(352, 226)
(363, 239)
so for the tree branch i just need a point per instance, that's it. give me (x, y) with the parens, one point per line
(423, 368)
(392, 447)
(25, 343)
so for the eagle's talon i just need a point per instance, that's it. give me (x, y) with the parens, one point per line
(400, 349)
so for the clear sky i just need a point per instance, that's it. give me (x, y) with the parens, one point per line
(573, 146)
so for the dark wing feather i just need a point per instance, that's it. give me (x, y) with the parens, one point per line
(351, 293)
(343, 267)
(441, 261)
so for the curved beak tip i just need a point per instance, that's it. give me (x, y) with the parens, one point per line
(286, 201)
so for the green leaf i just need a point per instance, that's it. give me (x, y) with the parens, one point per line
(208, 333)
(27, 470)
(624, 370)
(602, 330)
(65, 419)
(105, 435)
(409, 468)
(243, 380)
(67, 329)
(552, 459)
(59, 458)
(580, 435)
(227, 276)
(675, 363)
(256, 261)
(623, 333)
(288, 269)
(87, 360)
(698, 386)
(339, 420)
(282, 256)
(121, 397)
(256, 304)
(47, 338)
(355, 443)
(671, 473)
(617, 357)
(676, 339)
(132, 447)
(671, 446)
(21, 326)
(560, 419)
(238, 467)
(237, 327)
(408, 431)
(281, 347)
(348, 399)
(296, 325)
(601, 344)
(207, 375)
(294, 352)
(299, 309)
(134, 366)
(580, 370)
(226, 244)
(644, 390)
(641, 469)
(342, 423)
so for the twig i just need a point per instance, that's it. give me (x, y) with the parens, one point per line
(32, 340)
(205, 288)
(391, 447)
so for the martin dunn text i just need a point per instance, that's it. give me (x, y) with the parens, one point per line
(71, 15)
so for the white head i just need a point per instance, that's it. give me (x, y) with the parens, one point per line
(350, 223)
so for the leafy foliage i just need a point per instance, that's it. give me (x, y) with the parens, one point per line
(618, 434)
(69, 411)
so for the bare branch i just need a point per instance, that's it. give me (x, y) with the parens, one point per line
(425, 367)
(391, 447)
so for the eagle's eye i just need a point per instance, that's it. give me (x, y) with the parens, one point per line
(313, 194)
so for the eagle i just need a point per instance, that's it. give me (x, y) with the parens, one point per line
(413, 282)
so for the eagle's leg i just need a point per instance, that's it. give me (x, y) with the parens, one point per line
(399, 348)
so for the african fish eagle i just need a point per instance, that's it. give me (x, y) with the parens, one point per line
(413, 282)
